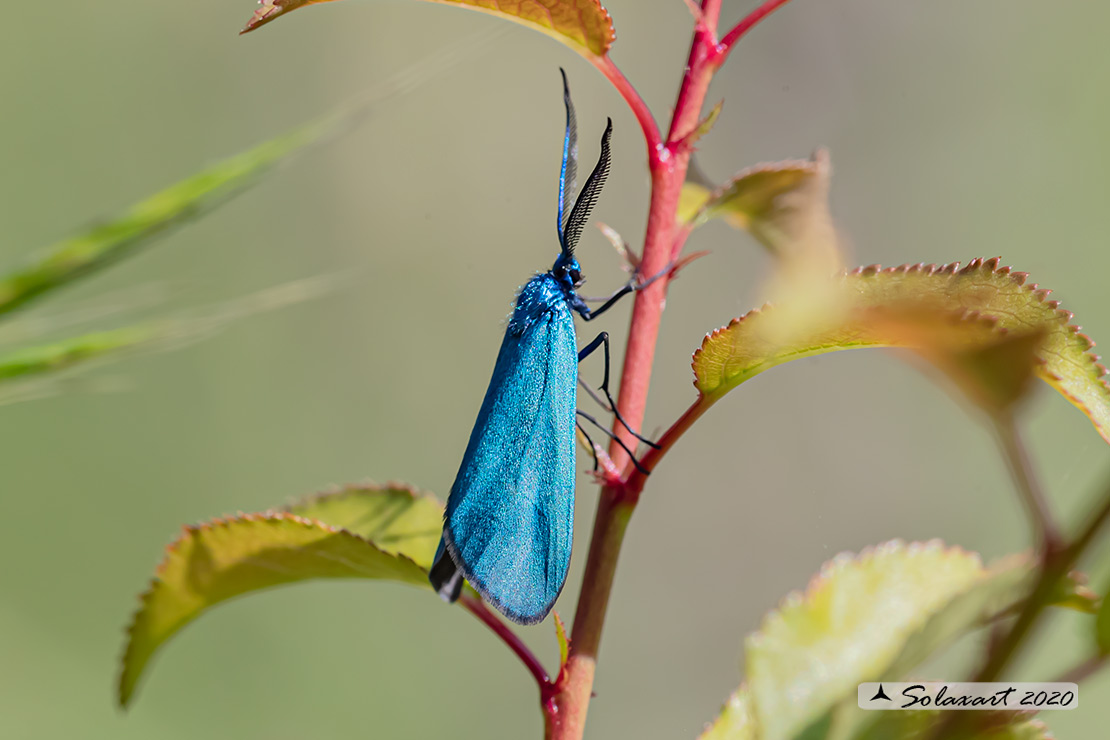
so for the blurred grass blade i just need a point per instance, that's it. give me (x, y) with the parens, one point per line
(103, 245)
(89, 251)
(67, 353)
(33, 372)
(225, 558)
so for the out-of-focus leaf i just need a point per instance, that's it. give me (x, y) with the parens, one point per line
(874, 617)
(225, 558)
(782, 204)
(785, 206)
(997, 374)
(583, 25)
(870, 296)
(1102, 627)
(103, 245)
(67, 353)
(991, 365)
(735, 720)
(1073, 593)
(920, 725)
(848, 627)
(1000, 591)
(691, 200)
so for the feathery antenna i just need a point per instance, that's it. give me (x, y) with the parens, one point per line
(587, 199)
(568, 173)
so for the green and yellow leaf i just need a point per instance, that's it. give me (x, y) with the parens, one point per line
(875, 617)
(1102, 627)
(735, 720)
(871, 305)
(224, 558)
(583, 25)
(849, 626)
(397, 518)
(782, 204)
(921, 725)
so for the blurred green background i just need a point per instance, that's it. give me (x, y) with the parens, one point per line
(956, 130)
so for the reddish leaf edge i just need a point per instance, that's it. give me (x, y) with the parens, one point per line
(266, 14)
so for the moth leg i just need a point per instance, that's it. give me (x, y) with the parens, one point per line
(616, 439)
(631, 286)
(602, 339)
(593, 448)
(593, 394)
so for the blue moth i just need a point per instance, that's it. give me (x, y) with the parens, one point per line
(508, 527)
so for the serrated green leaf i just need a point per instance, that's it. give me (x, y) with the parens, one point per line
(874, 617)
(866, 299)
(998, 592)
(848, 627)
(735, 720)
(67, 353)
(583, 25)
(397, 518)
(225, 558)
(103, 245)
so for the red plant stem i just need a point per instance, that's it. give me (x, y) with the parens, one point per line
(695, 81)
(639, 108)
(1021, 470)
(637, 479)
(566, 717)
(478, 608)
(740, 29)
(566, 712)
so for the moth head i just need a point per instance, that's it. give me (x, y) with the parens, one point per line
(567, 271)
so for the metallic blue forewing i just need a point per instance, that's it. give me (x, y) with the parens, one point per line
(510, 517)
(509, 524)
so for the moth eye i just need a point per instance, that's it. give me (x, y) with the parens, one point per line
(576, 277)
